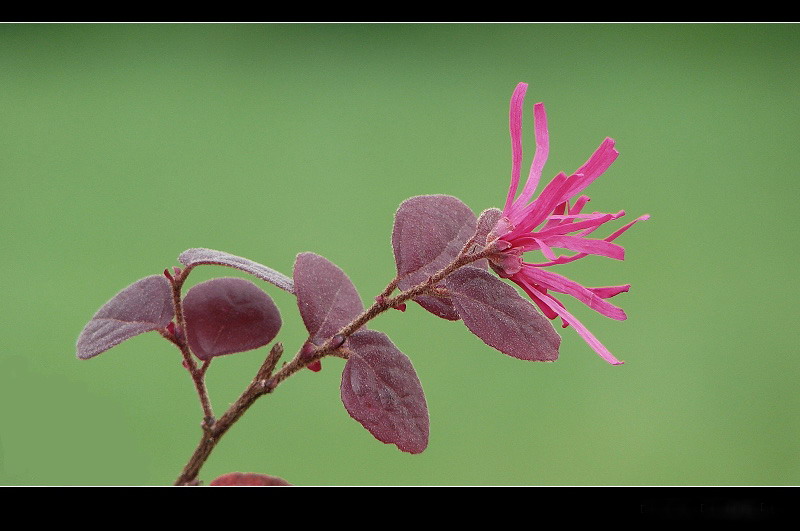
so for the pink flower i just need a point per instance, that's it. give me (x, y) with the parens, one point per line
(555, 220)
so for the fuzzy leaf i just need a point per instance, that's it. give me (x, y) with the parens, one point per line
(438, 306)
(201, 256)
(380, 389)
(493, 311)
(429, 231)
(241, 479)
(325, 296)
(143, 306)
(227, 315)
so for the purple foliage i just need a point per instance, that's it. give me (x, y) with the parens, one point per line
(326, 298)
(493, 311)
(380, 389)
(429, 231)
(201, 256)
(227, 315)
(143, 306)
(241, 479)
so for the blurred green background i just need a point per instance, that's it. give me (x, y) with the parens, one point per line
(123, 145)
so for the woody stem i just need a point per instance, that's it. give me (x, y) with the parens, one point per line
(179, 339)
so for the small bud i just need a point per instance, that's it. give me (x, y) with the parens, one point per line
(308, 350)
(337, 341)
(508, 263)
(177, 270)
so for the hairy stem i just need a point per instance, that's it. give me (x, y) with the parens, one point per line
(179, 339)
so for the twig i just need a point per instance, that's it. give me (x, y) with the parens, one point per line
(265, 382)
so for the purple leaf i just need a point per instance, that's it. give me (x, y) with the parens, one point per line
(227, 315)
(240, 479)
(493, 311)
(429, 232)
(201, 256)
(380, 389)
(143, 306)
(438, 306)
(327, 299)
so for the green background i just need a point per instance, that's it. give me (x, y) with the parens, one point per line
(123, 145)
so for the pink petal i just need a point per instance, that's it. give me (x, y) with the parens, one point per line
(607, 292)
(625, 227)
(593, 342)
(613, 236)
(570, 217)
(579, 204)
(599, 162)
(539, 157)
(515, 127)
(585, 245)
(529, 242)
(591, 223)
(529, 289)
(546, 250)
(561, 284)
(556, 218)
(532, 215)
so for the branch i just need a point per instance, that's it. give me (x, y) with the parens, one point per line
(265, 382)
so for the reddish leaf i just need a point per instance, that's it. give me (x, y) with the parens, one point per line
(241, 479)
(429, 231)
(438, 306)
(380, 389)
(200, 256)
(227, 315)
(143, 306)
(493, 311)
(327, 299)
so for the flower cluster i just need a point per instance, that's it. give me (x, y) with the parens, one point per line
(555, 219)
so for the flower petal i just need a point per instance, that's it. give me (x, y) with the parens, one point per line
(585, 245)
(587, 336)
(545, 248)
(611, 237)
(515, 128)
(561, 284)
(529, 288)
(533, 214)
(554, 218)
(590, 223)
(607, 292)
(579, 204)
(601, 159)
(539, 157)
